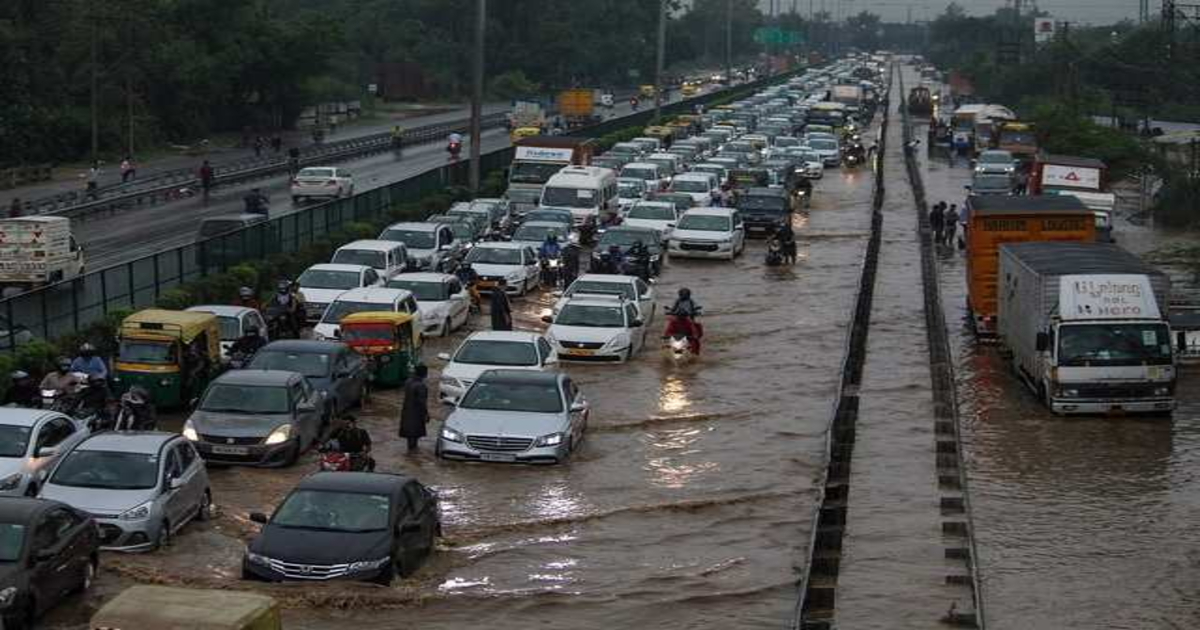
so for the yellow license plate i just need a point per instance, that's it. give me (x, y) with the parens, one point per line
(576, 352)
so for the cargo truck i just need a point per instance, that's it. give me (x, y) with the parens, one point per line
(577, 107)
(536, 159)
(992, 220)
(1085, 324)
(1083, 178)
(36, 251)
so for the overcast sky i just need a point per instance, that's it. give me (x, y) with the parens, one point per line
(1095, 12)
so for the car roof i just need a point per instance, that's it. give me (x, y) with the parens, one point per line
(610, 300)
(413, 225)
(504, 335)
(363, 482)
(423, 276)
(612, 278)
(149, 442)
(500, 245)
(642, 165)
(710, 211)
(764, 192)
(372, 244)
(304, 346)
(15, 416)
(631, 228)
(338, 267)
(221, 310)
(519, 376)
(699, 176)
(381, 295)
(20, 509)
(258, 377)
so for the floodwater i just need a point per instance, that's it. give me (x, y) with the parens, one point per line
(687, 506)
(1080, 522)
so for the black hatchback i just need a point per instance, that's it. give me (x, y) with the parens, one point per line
(346, 525)
(48, 550)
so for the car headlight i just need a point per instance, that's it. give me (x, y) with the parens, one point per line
(138, 513)
(450, 381)
(254, 558)
(513, 276)
(1162, 391)
(450, 435)
(1068, 392)
(281, 434)
(189, 431)
(10, 482)
(673, 243)
(8, 596)
(553, 439)
(369, 565)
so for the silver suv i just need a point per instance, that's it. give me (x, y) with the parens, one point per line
(142, 487)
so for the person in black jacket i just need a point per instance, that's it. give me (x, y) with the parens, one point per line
(501, 310)
(414, 414)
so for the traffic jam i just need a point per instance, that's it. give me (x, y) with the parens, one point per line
(324, 433)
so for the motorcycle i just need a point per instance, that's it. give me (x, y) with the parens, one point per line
(454, 148)
(239, 360)
(550, 269)
(774, 253)
(682, 337)
(281, 324)
(129, 419)
(334, 460)
(638, 265)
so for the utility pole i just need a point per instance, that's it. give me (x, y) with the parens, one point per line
(661, 57)
(477, 94)
(95, 80)
(728, 42)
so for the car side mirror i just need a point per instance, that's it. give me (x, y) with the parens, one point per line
(967, 188)
(193, 403)
(670, 225)
(444, 248)
(551, 360)
(258, 517)
(43, 555)
(578, 406)
(443, 356)
(548, 319)
(47, 451)
(306, 407)
(637, 323)
(175, 483)
(1042, 342)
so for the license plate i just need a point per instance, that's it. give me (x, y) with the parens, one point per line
(230, 450)
(497, 457)
(577, 352)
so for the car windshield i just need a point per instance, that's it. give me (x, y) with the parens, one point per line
(139, 351)
(311, 364)
(538, 232)
(652, 212)
(509, 396)
(324, 173)
(704, 223)
(822, 144)
(760, 203)
(333, 511)
(523, 195)
(628, 190)
(570, 197)
(591, 316)
(107, 469)
(360, 257)
(606, 288)
(249, 399)
(1114, 345)
(494, 256)
(492, 352)
(423, 290)
(326, 279)
(414, 239)
(341, 308)
(553, 216)
(14, 440)
(640, 172)
(532, 172)
(987, 157)
(787, 142)
(12, 540)
(231, 328)
(691, 185)
(624, 238)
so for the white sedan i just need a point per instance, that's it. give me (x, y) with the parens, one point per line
(656, 215)
(491, 350)
(596, 328)
(445, 305)
(708, 233)
(322, 181)
(631, 288)
(514, 263)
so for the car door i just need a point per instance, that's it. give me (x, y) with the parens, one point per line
(578, 410)
(307, 411)
(645, 297)
(531, 267)
(637, 336)
(422, 513)
(173, 494)
(55, 555)
(351, 378)
(54, 436)
(549, 357)
(459, 306)
(194, 478)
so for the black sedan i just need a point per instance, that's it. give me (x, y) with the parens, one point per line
(48, 550)
(358, 526)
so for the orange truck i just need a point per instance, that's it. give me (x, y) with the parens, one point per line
(994, 219)
(577, 106)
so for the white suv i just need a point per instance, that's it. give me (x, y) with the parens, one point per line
(708, 233)
(596, 328)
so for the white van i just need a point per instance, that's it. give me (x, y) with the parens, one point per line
(387, 258)
(589, 192)
(366, 299)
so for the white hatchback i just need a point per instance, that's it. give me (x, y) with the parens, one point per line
(514, 263)
(491, 350)
(322, 181)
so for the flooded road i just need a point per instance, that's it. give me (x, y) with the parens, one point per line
(687, 506)
(1080, 522)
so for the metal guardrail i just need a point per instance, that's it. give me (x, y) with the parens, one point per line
(167, 184)
(66, 307)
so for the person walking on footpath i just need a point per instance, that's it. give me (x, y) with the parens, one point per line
(14, 208)
(501, 310)
(128, 170)
(414, 413)
(951, 223)
(276, 143)
(93, 180)
(206, 179)
(937, 221)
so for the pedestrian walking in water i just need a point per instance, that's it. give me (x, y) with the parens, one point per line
(937, 221)
(951, 223)
(414, 413)
(501, 310)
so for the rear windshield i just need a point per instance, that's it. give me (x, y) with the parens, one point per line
(364, 257)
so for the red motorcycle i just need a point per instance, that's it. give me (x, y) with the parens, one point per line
(683, 336)
(337, 461)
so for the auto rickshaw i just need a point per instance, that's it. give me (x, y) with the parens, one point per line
(524, 132)
(171, 354)
(647, 91)
(391, 343)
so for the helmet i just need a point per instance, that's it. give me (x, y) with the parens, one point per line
(64, 364)
(19, 375)
(685, 293)
(284, 286)
(87, 349)
(135, 396)
(246, 293)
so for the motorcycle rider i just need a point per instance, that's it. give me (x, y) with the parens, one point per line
(787, 242)
(683, 320)
(570, 264)
(62, 380)
(248, 344)
(285, 306)
(88, 363)
(96, 395)
(354, 441)
(467, 276)
(454, 144)
(256, 202)
(637, 261)
(136, 403)
(23, 392)
(550, 247)
(247, 299)
(397, 138)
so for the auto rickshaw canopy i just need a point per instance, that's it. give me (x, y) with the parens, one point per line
(376, 319)
(165, 325)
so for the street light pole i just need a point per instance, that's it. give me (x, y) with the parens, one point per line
(477, 95)
(728, 42)
(662, 46)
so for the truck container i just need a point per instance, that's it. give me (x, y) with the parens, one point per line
(1086, 327)
(36, 251)
(147, 607)
(1084, 178)
(848, 95)
(536, 159)
(577, 106)
(992, 220)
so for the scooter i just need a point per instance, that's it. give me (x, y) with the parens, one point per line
(774, 253)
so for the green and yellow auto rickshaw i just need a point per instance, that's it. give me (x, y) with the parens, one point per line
(171, 354)
(391, 343)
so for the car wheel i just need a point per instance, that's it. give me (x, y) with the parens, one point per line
(164, 535)
(205, 512)
(89, 575)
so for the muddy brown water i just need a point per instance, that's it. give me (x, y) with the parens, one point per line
(687, 506)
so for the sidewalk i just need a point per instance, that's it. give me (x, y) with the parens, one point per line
(71, 177)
